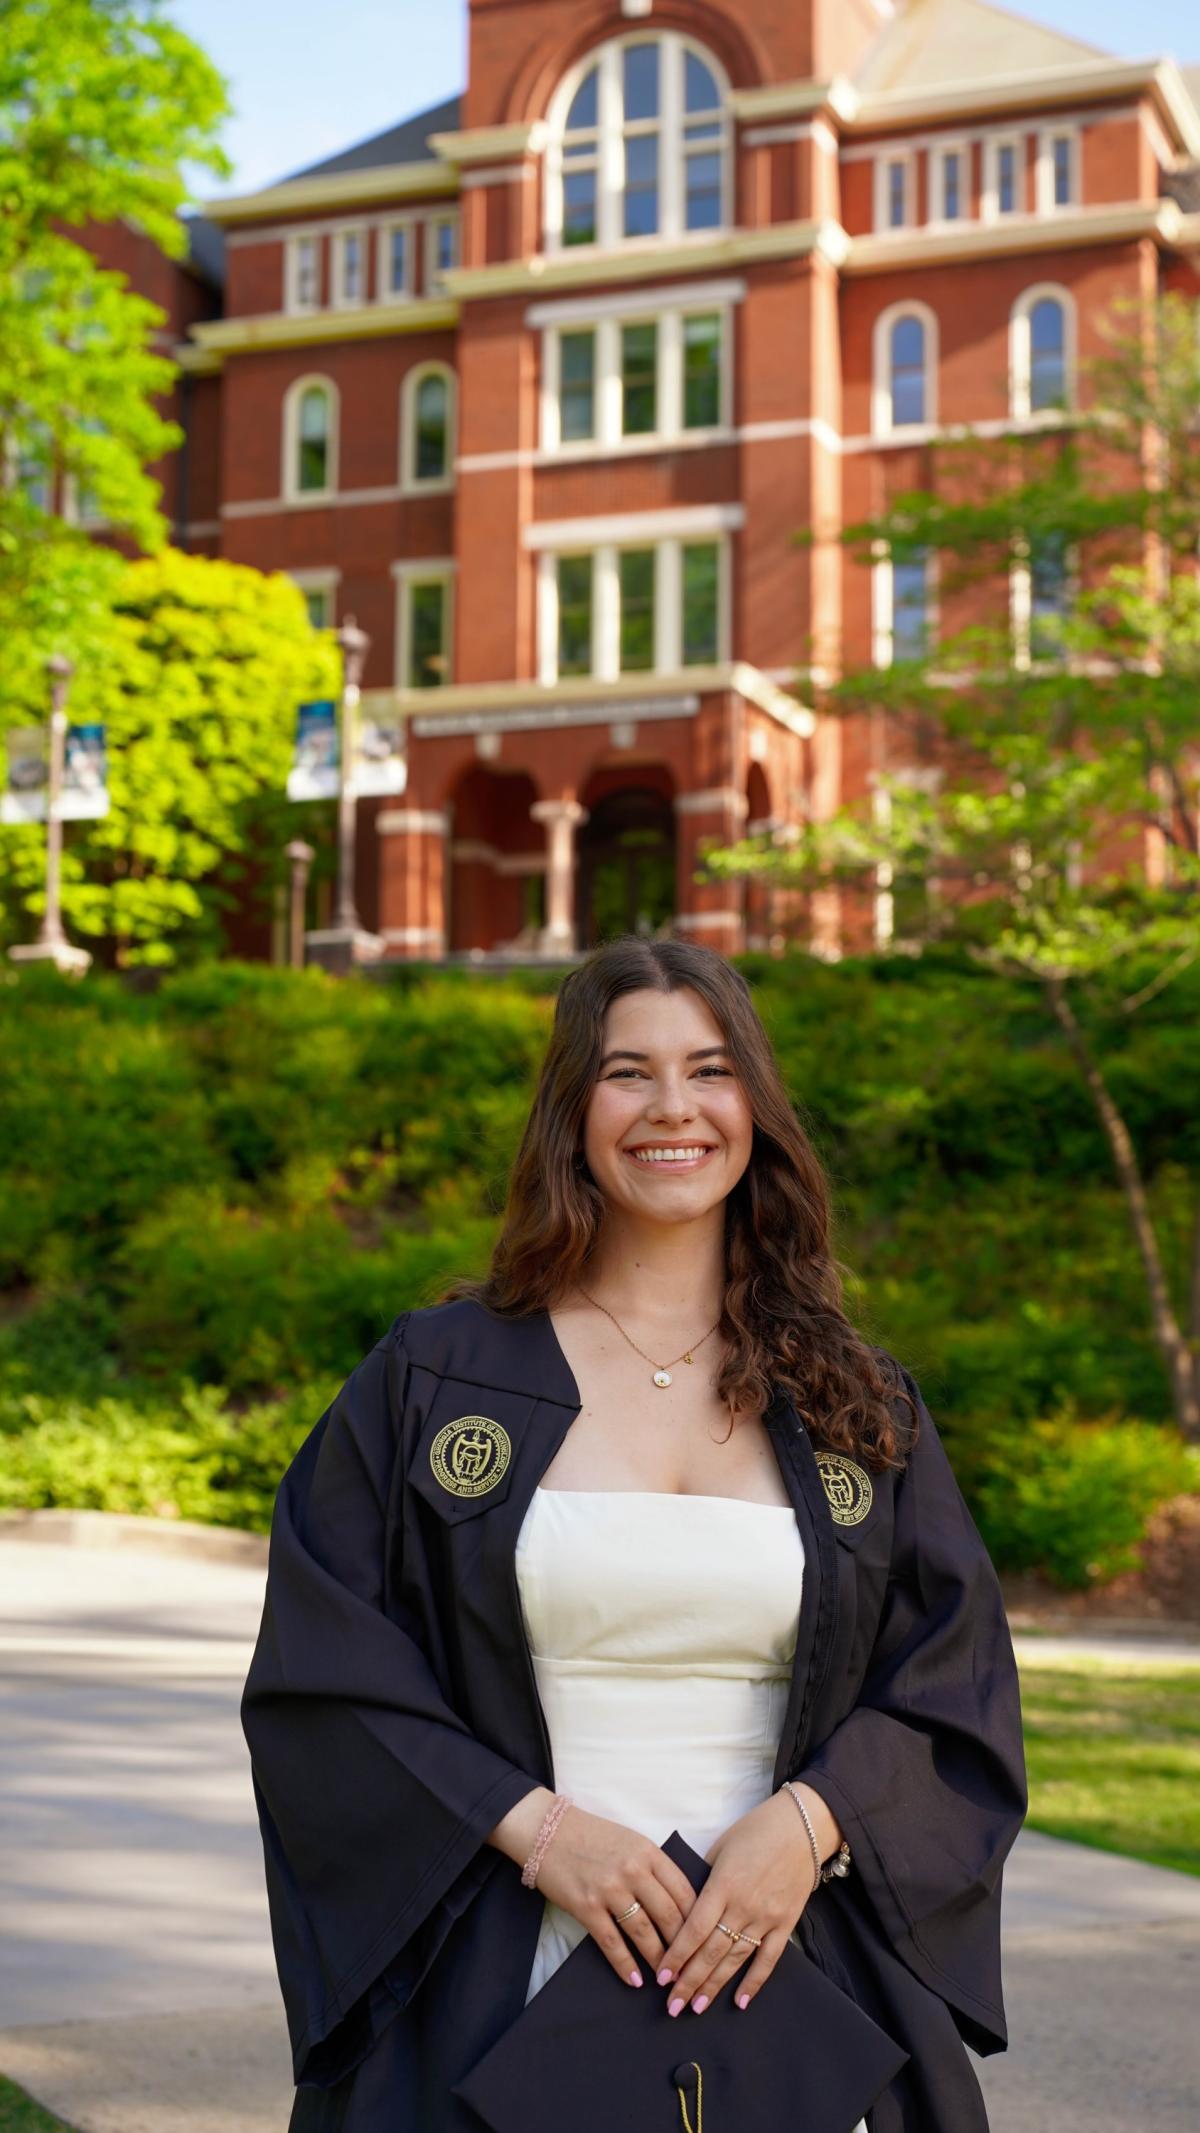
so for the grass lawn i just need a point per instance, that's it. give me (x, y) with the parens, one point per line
(1114, 1758)
(19, 2113)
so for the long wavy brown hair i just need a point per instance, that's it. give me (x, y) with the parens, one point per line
(784, 1321)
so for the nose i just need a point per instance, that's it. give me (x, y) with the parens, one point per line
(672, 1099)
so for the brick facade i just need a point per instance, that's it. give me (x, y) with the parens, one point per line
(393, 407)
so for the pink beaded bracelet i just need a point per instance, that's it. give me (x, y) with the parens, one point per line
(554, 1815)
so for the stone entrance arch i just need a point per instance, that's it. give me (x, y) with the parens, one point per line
(626, 858)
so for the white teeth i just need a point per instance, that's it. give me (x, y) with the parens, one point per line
(667, 1155)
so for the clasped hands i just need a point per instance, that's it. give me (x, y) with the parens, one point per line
(761, 1880)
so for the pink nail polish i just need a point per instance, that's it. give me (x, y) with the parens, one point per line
(674, 2007)
(743, 1999)
(664, 1977)
(635, 1977)
(700, 2003)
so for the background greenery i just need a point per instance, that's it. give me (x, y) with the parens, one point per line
(218, 1192)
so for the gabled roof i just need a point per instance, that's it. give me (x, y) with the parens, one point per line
(406, 142)
(930, 42)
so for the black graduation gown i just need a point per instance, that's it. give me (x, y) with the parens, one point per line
(392, 1717)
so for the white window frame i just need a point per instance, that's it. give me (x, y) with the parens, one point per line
(451, 220)
(1044, 169)
(883, 597)
(384, 291)
(606, 604)
(608, 437)
(937, 182)
(427, 485)
(671, 128)
(325, 581)
(435, 570)
(341, 237)
(883, 163)
(292, 301)
(881, 370)
(1020, 349)
(989, 202)
(290, 490)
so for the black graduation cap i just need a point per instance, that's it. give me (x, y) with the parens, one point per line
(597, 2055)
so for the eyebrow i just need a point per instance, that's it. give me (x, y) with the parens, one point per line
(712, 1051)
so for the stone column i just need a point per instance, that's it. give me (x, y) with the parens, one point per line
(562, 818)
(412, 880)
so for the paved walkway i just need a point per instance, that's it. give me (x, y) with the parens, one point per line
(137, 1993)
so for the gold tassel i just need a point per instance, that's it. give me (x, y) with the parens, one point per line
(687, 2123)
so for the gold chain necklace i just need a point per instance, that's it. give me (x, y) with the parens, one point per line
(662, 1371)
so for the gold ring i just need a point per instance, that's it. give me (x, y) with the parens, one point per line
(634, 1906)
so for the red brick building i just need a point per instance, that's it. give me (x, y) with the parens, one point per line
(542, 384)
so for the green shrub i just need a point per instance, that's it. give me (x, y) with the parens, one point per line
(1072, 1498)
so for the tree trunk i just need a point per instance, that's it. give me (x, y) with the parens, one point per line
(1173, 1344)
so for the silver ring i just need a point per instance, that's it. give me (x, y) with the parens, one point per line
(634, 1906)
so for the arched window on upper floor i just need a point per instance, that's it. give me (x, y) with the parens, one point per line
(427, 428)
(638, 144)
(310, 437)
(1042, 350)
(904, 392)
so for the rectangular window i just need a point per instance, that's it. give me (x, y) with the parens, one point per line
(396, 274)
(641, 184)
(427, 618)
(1049, 583)
(910, 605)
(635, 573)
(1063, 170)
(897, 195)
(352, 267)
(951, 186)
(702, 371)
(441, 249)
(702, 182)
(1006, 178)
(579, 200)
(574, 577)
(577, 386)
(700, 633)
(639, 378)
(318, 599)
(304, 265)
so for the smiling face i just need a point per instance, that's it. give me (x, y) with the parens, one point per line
(668, 1129)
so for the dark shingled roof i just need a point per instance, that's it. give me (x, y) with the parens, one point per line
(405, 143)
(206, 249)
(1184, 186)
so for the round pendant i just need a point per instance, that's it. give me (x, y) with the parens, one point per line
(662, 1377)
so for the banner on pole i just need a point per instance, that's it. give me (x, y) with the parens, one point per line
(84, 795)
(315, 771)
(381, 765)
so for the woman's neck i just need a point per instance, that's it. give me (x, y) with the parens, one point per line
(658, 1273)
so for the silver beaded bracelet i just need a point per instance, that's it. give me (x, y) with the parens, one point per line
(839, 1865)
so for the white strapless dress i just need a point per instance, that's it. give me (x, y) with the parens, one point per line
(663, 1629)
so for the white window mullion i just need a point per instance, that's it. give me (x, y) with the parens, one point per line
(610, 159)
(551, 407)
(670, 138)
(547, 617)
(670, 374)
(606, 614)
(668, 607)
(608, 380)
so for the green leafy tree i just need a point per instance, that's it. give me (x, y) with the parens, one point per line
(1028, 769)
(102, 104)
(196, 677)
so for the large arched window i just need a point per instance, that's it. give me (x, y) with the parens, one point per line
(639, 144)
(427, 428)
(905, 369)
(1042, 350)
(310, 439)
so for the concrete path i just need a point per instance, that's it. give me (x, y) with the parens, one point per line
(137, 1991)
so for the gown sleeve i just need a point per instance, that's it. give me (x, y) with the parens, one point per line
(926, 1774)
(374, 1798)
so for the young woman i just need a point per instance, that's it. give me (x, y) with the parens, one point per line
(636, 1535)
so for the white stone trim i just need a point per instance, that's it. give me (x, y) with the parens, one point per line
(802, 130)
(705, 921)
(1020, 353)
(415, 937)
(290, 489)
(637, 303)
(881, 368)
(716, 796)
(409, 821)
(632, 529)
(495, 174)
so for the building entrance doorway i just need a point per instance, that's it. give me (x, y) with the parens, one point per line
(626, 866)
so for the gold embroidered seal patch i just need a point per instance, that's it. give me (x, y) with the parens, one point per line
(470, 1455)
(848, 1487)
